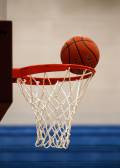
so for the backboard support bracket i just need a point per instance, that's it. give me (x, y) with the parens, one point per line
(5, 66)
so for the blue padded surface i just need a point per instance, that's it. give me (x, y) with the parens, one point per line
(90, 147)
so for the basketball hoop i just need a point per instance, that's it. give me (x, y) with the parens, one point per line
(54, 98)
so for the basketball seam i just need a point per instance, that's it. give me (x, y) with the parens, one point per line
(68, 51)
(78, 51)
(68, 45)
(82, 40)
(90, 50)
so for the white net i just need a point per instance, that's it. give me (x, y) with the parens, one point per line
(54, 107)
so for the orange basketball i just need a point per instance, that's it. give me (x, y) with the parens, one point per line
(80, 50)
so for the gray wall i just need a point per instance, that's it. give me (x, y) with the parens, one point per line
(3, 9)
(40, 28)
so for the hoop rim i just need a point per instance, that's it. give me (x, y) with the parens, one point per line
(24, 72)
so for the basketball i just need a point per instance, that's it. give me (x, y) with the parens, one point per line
(80, 50)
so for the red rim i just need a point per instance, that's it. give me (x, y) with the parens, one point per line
(29, 70)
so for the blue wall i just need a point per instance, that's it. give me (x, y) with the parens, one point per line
(91, 146)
